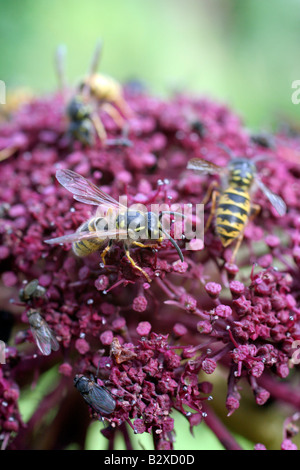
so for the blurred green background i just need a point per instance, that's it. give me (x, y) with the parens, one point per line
(244, 53)
(240, 52)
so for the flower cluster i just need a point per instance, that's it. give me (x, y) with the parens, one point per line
(149, 341)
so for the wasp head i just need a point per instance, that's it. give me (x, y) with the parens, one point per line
(242, 171)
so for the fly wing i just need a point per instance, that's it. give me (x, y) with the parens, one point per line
(77, 236)
(276, 201)
(205, 167)
(100, 399)
(85, 191)
(45, 339)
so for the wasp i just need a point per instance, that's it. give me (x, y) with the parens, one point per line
(42, 334)
(83, 119)
(106, 90)
(97, 397)
(232, 203)
(128, 224)
(95, 91)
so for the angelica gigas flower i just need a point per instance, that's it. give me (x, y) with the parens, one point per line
(155, 344)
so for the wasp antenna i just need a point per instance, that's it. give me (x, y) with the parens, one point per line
(173, 243)
(261, 157)
(96, 57)
(226, 149)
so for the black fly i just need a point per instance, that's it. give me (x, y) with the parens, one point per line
(97, 397)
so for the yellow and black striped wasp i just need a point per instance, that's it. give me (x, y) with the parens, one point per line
(119, 222)
(95, 92)
(232, 202)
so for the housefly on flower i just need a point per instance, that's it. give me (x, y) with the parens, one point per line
(97, 397)
(41, 332)
(32, 291)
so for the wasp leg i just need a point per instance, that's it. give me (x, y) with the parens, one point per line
(141, 245)
(237, 246)
(99, 127)
(133, 263)
(123, 106)
(254, 212)
(104, 252)
(156, 245)
(255, 209)
(212, 187)
(214, 195)
(6, 153)
(113, 113)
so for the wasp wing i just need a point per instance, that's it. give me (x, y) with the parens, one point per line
(60, 63)
(276, 201)
(85, 191)
(96, 57)
(45, 339)
(78, 236)
(203, 166)
(100, 399)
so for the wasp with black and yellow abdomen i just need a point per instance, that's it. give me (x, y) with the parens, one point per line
(232, 204)
(106, 90)
(119, 223)
(81, 109)
(95, 92)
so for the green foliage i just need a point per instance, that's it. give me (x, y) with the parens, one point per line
(243, 53)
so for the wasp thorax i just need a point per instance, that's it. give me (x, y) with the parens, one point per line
(153, 225)
(242, 171)
(78, 109)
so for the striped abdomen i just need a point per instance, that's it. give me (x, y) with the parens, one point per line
(232, 213)
(85, 247)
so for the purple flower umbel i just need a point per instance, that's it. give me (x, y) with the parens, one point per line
(154, 344)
